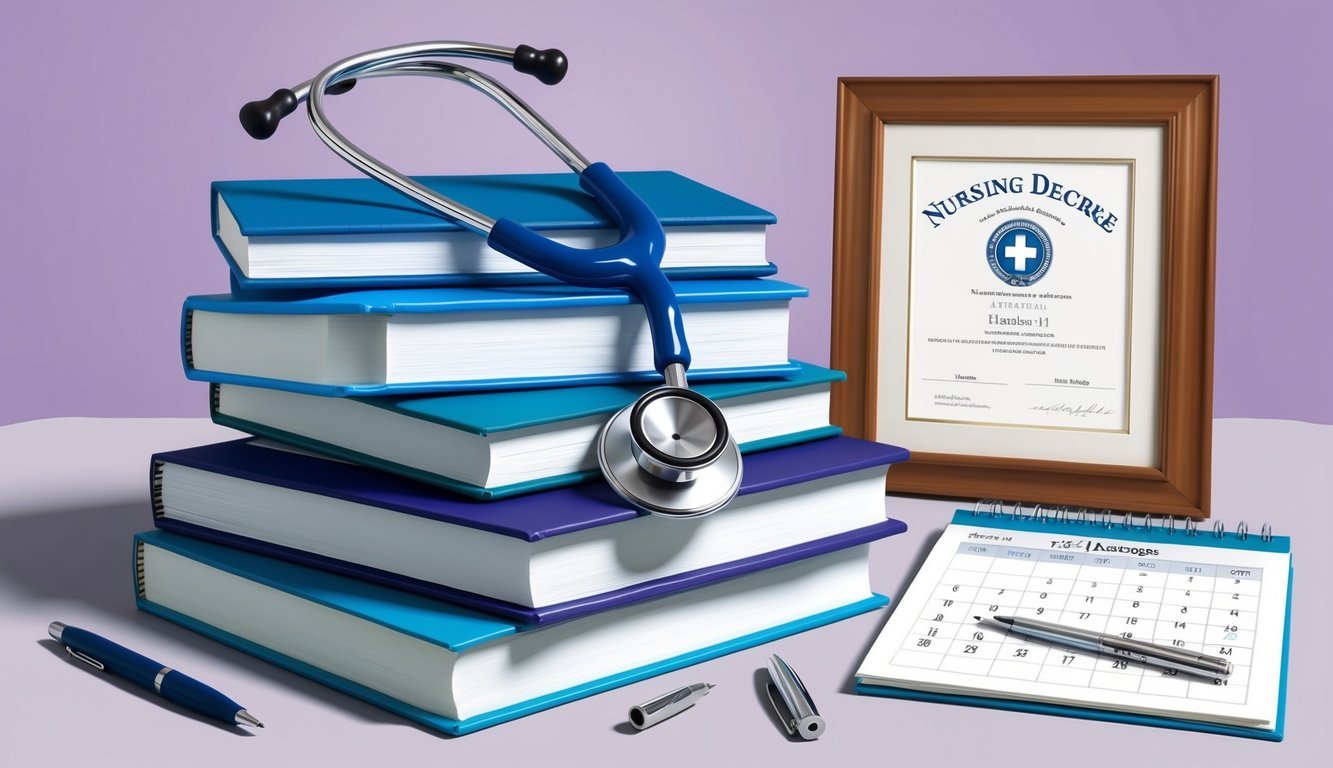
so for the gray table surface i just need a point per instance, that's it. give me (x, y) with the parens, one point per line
(72, 491)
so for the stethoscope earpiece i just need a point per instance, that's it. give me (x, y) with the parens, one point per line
(670, 452)
(260, 118)
(548, 66)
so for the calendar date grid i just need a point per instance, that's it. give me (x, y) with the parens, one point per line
(1208, 608)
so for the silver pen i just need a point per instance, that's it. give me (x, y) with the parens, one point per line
(650, 713)
(1162, 656)
(792, 701)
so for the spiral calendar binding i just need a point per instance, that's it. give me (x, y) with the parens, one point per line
(1107, 518)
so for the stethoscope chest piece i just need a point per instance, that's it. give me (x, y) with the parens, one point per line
(671, 454)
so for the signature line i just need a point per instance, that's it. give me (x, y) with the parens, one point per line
(1070, 386)
(968, 381)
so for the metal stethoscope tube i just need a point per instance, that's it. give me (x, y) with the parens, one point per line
(671, 452)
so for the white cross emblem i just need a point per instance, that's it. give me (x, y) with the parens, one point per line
(1020, 252)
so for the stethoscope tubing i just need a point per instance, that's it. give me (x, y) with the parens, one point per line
(401, 60)
(659, 480)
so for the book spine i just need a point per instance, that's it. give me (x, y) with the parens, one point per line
(139, 588)
(187, 329)
(155, 483)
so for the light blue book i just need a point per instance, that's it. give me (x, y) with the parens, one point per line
(1217, 593)
(456, 670)
(483, 444)
(348, 233)
(416, 340)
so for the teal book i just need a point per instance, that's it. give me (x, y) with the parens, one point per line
(336, 234)
(456, 670)
(453, 339)
(485, 444)
(1221, 594)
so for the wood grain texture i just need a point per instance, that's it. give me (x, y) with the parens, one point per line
(1186, 107)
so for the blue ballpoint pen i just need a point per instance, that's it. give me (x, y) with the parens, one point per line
(104, 655)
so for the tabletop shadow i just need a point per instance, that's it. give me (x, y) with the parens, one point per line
(81, 553)
(927, 544)
(84, 555)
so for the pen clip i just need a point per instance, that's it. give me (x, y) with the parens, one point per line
(86, 659)
(780, 707)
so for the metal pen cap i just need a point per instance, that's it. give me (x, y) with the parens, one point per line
(650, 713)
(792, 701)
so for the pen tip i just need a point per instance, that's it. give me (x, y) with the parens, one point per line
(978, 618)
(245, 718)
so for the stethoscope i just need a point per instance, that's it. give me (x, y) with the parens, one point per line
(670, 452)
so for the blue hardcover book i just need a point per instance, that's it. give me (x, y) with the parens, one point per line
(1225, 595)
(460, 338)
(346, 233)
(482, 444)
(458, 671)
(536, 559)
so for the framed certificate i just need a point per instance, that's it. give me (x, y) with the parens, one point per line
(1023, 285)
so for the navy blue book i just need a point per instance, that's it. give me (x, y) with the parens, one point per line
(347, 233)
(534, 559)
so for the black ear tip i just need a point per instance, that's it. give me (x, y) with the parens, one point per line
(260, 118)
(548, 66)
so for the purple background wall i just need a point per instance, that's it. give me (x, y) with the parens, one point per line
(117, 115)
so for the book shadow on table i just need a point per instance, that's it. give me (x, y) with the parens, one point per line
(80, 553)
(927, 544)
(83, 555)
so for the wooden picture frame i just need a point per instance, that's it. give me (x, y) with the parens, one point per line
(1186, 110)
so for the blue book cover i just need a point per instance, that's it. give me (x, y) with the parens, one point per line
(363, 209)
(424, 303)
(495, 413)
(437, 623)
(529, 518)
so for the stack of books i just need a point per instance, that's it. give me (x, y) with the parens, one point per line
(419, 520)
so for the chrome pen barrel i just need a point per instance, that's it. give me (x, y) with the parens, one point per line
(650, 713)
(1171, 658)
(1152, 654)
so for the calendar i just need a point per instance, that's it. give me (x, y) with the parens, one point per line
(1224, 596)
